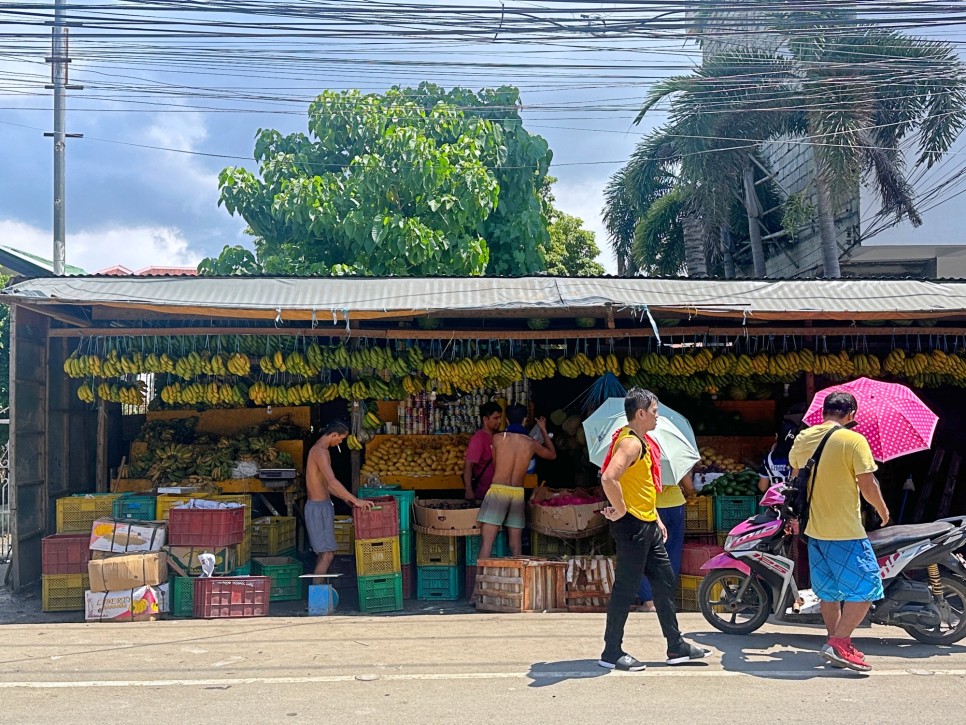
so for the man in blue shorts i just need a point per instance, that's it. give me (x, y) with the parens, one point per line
(842, 565)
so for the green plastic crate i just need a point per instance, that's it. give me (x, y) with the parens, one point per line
(380, 593)
(473, 544)
(182, 593)
(243, 570)
(137, 507)
(405, 499)
(439, 583)
(284, 571)
(406, 547)
(543, 545)
(729, 511)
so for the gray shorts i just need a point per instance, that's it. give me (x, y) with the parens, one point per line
(320, 525)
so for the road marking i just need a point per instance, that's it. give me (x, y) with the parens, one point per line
(542, 675)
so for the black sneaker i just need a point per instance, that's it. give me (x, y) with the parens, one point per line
(625, 663)
(685, 652)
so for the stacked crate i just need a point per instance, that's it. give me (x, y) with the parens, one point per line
(440, 575)
(699, 528)
(405, 500)
(64, 556)
(473, 545)
(188, 540)
(273, 536)
(378, 562)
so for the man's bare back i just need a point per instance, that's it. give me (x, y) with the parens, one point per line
(512, 453)
(320, 461)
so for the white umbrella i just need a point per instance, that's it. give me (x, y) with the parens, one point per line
(678, 453)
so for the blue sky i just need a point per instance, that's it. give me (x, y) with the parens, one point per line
(138, 206)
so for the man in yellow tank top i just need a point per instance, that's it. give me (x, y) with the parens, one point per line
(632, 480)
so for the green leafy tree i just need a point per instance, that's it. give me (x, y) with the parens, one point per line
(410, 182)
(572, 251)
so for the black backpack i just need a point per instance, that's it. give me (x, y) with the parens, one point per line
(802, 497)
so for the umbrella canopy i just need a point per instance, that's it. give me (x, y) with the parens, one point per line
(890, 416)
(679, 452)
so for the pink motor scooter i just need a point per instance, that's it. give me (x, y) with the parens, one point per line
(923, 577)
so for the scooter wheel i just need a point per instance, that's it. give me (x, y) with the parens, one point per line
(953, 628)
(718, 597)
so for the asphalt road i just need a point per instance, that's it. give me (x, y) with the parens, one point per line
(465, 668)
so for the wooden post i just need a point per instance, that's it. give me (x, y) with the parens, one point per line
(356, 457)
(103, 475)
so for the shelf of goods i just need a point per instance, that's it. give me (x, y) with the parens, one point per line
(420, 462)
(203, 448)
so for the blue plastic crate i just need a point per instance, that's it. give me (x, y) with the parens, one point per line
(473, 544)
(443, 583)
(404, 498)
(406, 547)
(140, 508)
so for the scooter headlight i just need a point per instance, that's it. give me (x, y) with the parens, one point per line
(739, 543)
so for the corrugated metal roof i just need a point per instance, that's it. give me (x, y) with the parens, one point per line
(372, 297)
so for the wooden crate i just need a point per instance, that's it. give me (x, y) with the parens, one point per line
(590, 580)
(521, 584)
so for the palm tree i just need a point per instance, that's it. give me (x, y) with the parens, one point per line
(855, 96)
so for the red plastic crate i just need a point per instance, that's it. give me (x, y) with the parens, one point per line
(407, 581)
(65, 554)
(380, 522)
(233, 596)
(695, 555)
(206, 527)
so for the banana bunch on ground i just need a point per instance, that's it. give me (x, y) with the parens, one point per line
(210, 394)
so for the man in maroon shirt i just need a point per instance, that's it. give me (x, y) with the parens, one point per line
(478, 466)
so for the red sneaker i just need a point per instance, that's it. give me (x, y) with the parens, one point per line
(860, 654)
(839, 652)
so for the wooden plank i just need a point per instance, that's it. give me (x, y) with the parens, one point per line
(230, 421)
(951, 480)
(102, 476)
(489, 334)
(935, 467)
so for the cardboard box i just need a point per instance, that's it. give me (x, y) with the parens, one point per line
(442, 519)
(142, 604)
(566, 518)
(129, 571)
(126, 537)
(183, 560)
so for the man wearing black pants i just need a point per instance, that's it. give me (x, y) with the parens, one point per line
(632, 479)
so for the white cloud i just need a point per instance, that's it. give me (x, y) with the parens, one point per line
(95, 249)
(197, 184)
(586, 200)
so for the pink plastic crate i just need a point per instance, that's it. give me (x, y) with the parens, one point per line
(232, 596)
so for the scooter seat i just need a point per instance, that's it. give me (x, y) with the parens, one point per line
(892, 537)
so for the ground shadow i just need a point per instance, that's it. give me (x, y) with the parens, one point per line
(544, 674)
(781, 655)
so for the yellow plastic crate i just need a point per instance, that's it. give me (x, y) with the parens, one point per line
(271, 535)
(64, 592)
(687, 599)
(76, 514)
(433, 550)
(344, 536)
(375, 557)
(168, 501)
(699, 515)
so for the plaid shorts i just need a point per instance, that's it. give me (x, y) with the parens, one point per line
(844, 571)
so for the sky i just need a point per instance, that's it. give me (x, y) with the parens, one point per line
(136, 206)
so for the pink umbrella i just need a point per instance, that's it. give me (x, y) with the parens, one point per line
(891, 417)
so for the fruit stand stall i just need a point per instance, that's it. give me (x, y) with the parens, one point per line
(102, 374)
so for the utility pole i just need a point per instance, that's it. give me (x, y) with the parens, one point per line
(59, 59)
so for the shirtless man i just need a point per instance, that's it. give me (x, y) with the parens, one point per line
(321, 484)
(503, 505)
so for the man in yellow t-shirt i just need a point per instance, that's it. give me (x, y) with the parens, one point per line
(631, 477)
(842, 565)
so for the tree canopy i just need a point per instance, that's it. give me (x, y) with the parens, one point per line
(410, 182)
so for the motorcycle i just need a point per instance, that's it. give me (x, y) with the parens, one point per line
(923, 576)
